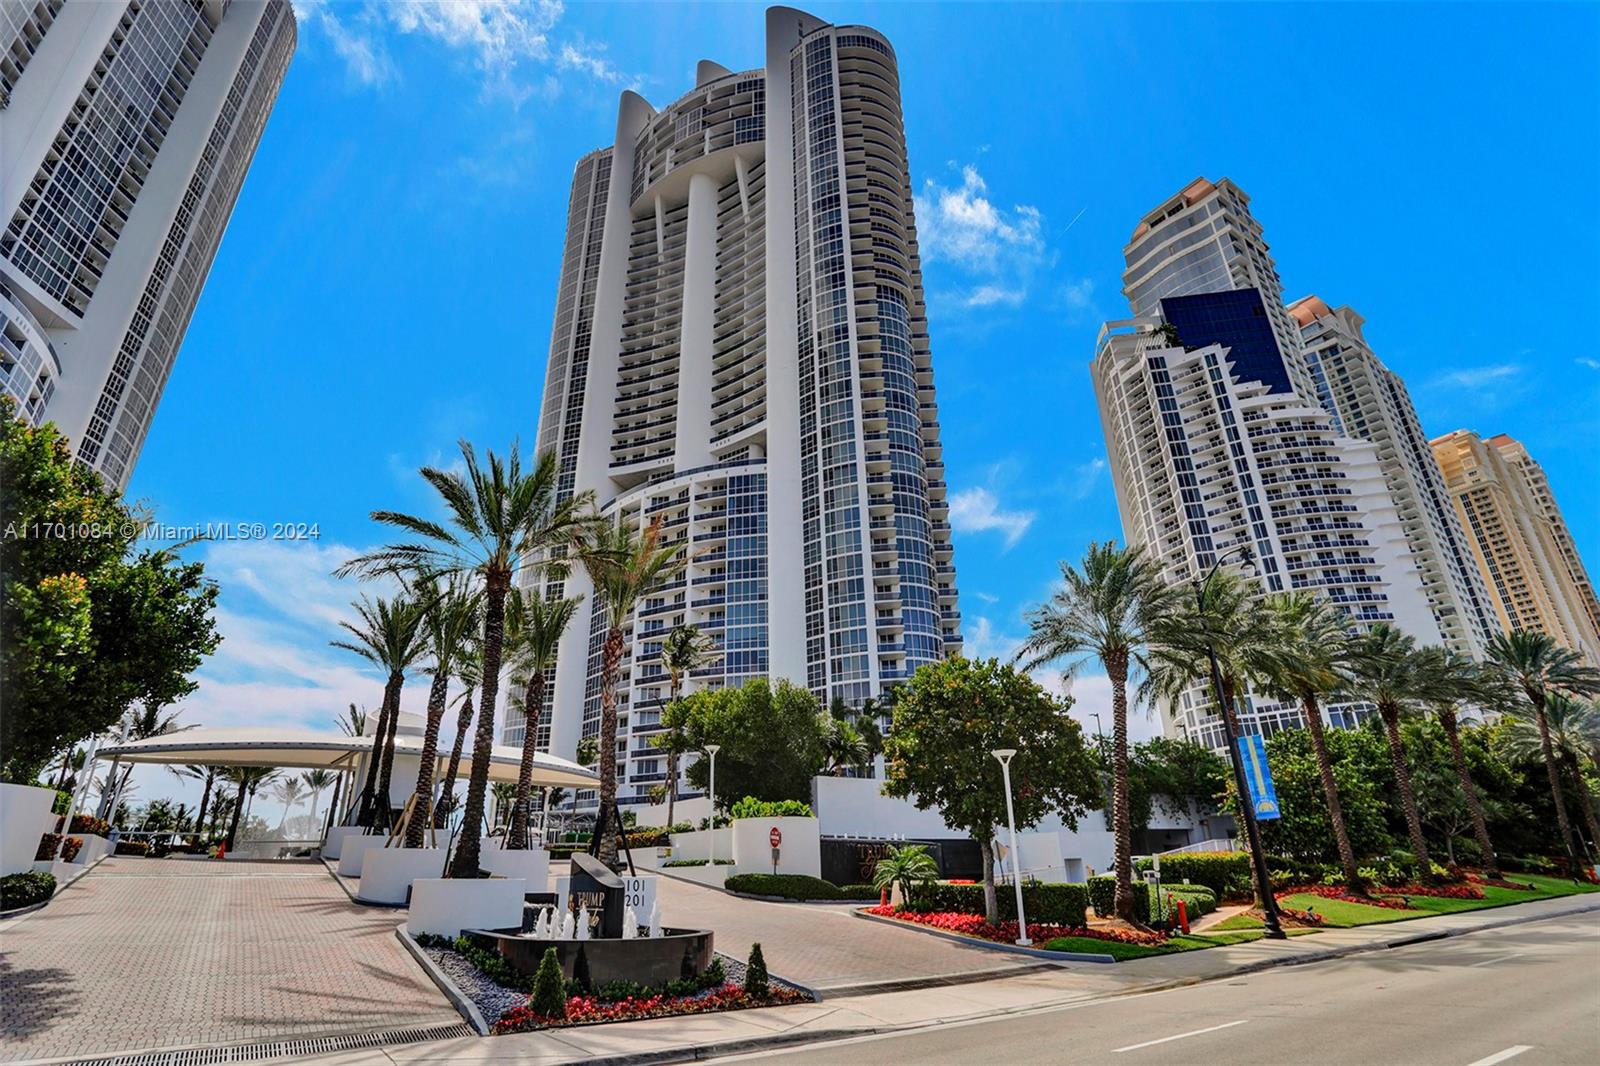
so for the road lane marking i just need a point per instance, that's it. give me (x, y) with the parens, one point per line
(1212, 1029)
(1501, 958)
(1500, 1056)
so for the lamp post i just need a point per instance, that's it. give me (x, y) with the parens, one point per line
(712, 792)
(1004, 755)
(1269, 904)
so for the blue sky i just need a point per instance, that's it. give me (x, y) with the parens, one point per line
(387, 280)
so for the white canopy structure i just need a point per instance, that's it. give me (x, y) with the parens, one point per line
(253, 746)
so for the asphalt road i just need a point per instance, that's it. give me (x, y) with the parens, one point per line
(1525, 995)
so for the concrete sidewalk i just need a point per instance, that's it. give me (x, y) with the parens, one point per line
(701, 1036)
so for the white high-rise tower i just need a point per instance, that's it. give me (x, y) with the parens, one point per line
(126, 129)
(741, 352)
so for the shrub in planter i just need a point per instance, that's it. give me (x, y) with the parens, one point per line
(132, 847)
(47, 847)
(786, 886)
(750, 807)
(549, 988)
(70, 848)
(755, 972)
(1055, 904)
(88, 823)
(680, 827)
(697, 862)
(26, 889)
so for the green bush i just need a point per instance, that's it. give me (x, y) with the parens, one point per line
(549, 997)
(750, 807)
(755, 972)
(132, 847)
(1103, 894)
(681, 827)
(1527, 864)
(696, 862)
(1198, 900)
(25, 889)
(1054, 904)
(796, 886)
(1226, 873)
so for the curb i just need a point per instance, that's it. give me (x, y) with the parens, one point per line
(1015, 949)
(786, 899)
(18, 912)
(458, 999)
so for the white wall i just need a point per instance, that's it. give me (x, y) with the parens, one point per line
(854, 807)
(799, 853)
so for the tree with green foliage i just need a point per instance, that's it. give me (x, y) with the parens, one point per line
(1359, 762)
(1573, 730)
(1176, 774)
(1103, 611)
(389, 635)
(947, 721)
(756, 979)
(450, 613)
(683, 650)
(534, 625)
(905, 867)
(549, 998)
(1462, 682)
(88, 626)
(1536, 664)
(771, 739)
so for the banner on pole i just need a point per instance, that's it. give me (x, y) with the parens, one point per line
(1258, 776)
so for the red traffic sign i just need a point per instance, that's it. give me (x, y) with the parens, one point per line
(775, 837)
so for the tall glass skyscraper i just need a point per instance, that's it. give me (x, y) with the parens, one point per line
(741, 353)
(126, 129)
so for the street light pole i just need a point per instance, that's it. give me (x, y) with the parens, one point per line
(712, 792)
(1258, 858)
(1004, 755)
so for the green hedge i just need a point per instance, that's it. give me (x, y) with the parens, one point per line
(1055, 904)
(796, 886)
(25, 889)
(1225, 873)
(1197, 899)
(750, 807)
(1103, 894)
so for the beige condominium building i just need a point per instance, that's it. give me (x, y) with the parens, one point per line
(1519, 540)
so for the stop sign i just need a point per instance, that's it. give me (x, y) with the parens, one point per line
(775, 837)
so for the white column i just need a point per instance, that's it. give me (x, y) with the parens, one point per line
(696, 332)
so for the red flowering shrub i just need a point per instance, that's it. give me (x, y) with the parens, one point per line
(1476, 877)
(975, 925)
(1466, 891)
(88, 823)
(590, 1010)
(1343, 894)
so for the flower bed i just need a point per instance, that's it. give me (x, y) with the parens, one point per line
(1477, 878)
(591, 1010)
(1344, 895)
(976, 925)
(88, 823)
(47, 848)
(1467, 891)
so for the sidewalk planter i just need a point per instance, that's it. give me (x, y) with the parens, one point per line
(387, 873)
(333, 843)
(353, 853)
(23, 809)
(445, 906)
(800, 852)
(531, 865)
(93, 848)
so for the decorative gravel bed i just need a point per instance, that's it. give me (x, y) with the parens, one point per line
(494, 999)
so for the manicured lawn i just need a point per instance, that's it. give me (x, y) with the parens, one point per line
(1190, 942)
(1339, 914)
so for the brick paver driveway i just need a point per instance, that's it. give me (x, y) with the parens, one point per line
(146, 953)
(824, 946)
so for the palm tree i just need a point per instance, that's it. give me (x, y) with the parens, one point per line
(624, 567)
(353, 722)
(1388, 669)
(505, 793)
(1310, 647)
(449, 620)
(469, 664)
(249, 779)
(317, 781)
(390, 637)
(501, 520)
(907, 867)
(287, 791)
(207, 774)
(1103, 610)
(843, 747)
(146, 722)
(1573, 730)
(534, 626)
(682, 650)
(1536, 664)
(1461, 681)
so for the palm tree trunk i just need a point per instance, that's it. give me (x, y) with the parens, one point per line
(1330, 791)
(1585, 799)
(205, 801)
(532, 703)
(494, 619)
(1408, 796)
(1230, 690)
(611, 662)
(1116, 664)
(991, 899)
(438, 693)
(1469, 789)
(364, 816)
(672, 756)
(1556, 792)
(383, 802)
(463, 723)
(238, 810)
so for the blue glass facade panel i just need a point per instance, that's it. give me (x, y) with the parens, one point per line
(1237, 320)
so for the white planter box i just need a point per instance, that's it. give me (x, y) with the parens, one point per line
(712, 876)
(800, 852)
(387, 873)
(93, 848)
(445, 906)
(531, 865)
(700, 843)
(23, 809)
(354, 851)
(336, 837)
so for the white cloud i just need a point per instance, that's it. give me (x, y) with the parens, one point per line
(1584, 360)
(999, 249)
(978, 510)
(1085, 479)
(1479, 377)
